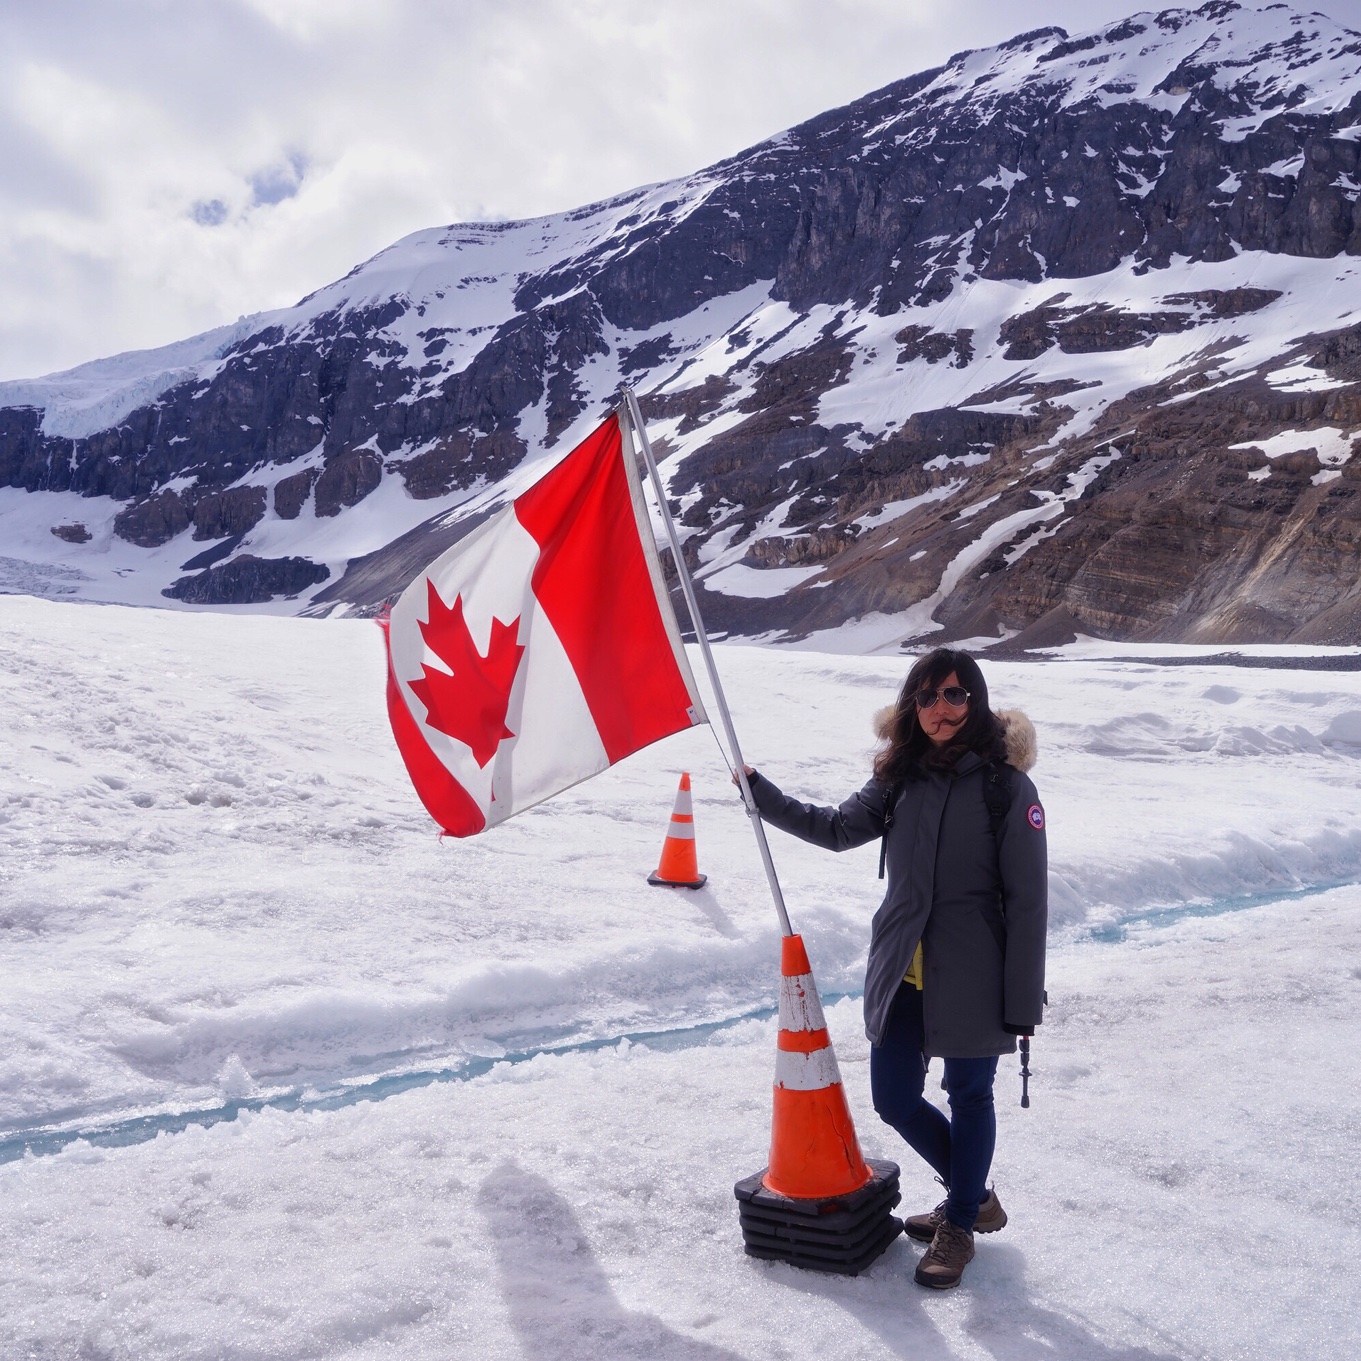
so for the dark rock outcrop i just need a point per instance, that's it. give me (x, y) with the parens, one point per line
(291, 493)
(233, 512)
(153, 521)
(248, 580)
(1225, 302)
(921, 342)
(347, 480)
(1094, 329)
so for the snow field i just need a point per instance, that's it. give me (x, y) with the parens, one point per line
(210, 840)
(217, 885)
(1182, 1186)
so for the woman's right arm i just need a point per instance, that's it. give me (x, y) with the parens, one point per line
(853, 823)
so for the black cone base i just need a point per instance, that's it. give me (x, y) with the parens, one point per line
(656, 879)
(842, 1234)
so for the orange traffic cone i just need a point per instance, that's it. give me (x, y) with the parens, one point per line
(819, 1205)
(679, 867)
(813, 1149)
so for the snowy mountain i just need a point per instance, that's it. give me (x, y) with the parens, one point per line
(1064, 335)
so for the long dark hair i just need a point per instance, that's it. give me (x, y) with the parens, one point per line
(910, 752)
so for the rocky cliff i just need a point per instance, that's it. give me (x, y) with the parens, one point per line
(1062, 336)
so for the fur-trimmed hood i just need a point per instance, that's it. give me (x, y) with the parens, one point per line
(1022, 744)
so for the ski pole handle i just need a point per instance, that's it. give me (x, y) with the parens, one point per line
(1025, 1071)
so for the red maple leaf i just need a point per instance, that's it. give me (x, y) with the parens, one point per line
(471, 704)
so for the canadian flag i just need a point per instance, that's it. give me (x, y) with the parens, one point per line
(539, 649)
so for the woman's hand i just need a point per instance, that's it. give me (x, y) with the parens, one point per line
(749, 771)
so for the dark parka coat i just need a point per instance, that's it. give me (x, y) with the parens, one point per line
(978, 904)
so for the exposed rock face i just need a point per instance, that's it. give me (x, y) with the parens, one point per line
(214, 515)
(76, 533)
(975, 350)
(153, 521)
(347, 481)
(248, 580)
(291, 493)
(232, 512)
(1094, 329)
(921, 342)
(1185, 537)
(1232, 302)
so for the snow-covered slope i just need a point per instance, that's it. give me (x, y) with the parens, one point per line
(1060, 336)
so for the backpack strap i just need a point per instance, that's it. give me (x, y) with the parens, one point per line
(890, 802)
(997, 794)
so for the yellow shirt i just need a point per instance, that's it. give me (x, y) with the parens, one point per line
(914, 972)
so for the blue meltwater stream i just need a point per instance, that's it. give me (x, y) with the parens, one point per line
(46, 1140)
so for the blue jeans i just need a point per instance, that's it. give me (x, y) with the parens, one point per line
(960, 1148)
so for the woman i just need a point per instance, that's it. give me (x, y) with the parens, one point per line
(956, 959)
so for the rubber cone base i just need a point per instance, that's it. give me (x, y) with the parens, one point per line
(842, 1234)
(655, 878)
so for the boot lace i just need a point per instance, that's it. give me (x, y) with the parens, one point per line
(950, 1244)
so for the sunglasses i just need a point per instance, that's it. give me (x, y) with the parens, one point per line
(954, 695)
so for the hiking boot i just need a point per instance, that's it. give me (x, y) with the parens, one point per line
(991, 1217)
(943, 1263)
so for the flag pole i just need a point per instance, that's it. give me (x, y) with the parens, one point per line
(635, 417)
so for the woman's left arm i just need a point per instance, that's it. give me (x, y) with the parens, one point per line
(852, 823)
(1023, 860)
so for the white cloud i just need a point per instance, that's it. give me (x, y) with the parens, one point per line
(166, 165)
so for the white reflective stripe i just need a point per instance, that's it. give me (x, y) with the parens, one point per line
(800, 1006)
(806, 1072)
(684, 803)
(682, 831)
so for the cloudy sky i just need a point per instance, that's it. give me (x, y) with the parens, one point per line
(167, 165)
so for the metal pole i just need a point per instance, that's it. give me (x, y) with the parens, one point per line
(687, 588)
